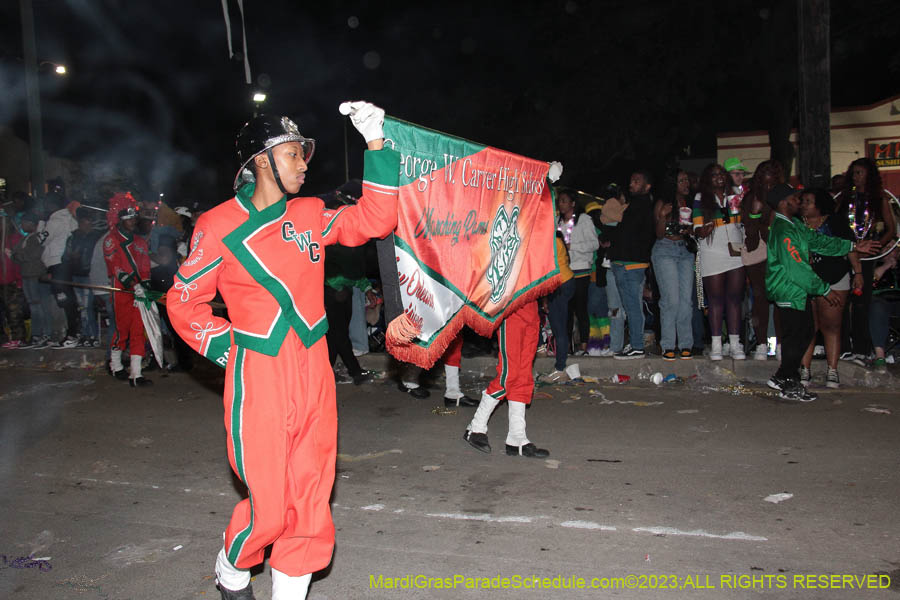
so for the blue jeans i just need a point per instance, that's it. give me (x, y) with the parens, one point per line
(85, 298)
(673, 266)
(359, 338)
(598, 306)
(631, 290)
(880, 312)
(616, 314)
(559, 321)
(39, 297)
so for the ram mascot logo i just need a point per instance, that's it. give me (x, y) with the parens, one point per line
(505, 242)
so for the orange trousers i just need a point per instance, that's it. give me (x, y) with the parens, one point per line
(281, 421)
(517, 337)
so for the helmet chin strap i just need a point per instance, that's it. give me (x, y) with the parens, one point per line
(275, 171)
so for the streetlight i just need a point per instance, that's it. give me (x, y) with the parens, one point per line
(58, 68)
(258, 99)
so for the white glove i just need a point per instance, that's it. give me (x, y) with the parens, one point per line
(139, 291)
(366, 117)
(182, 249)
(555, 171)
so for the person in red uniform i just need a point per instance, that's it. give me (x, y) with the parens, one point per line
(128, 263)
(265, 255)
(518, 339)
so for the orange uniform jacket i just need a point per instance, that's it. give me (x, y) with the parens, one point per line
(280, 411)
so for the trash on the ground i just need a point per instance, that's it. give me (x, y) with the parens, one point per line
(647, 557)
(589, 379)
(672, 378)
(543, 395)
(657, 378)
(776, 498)
(573, 371)
(440, 410)
(879, 410)
(551, 463)
(428, 468)
(632, 402)
(619, 378)
(889, 359)
(604, 460)
(178, 547)
(575, 396)
(688, 411)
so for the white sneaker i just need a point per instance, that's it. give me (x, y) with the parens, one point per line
(715, 352)
(805, 376)
(737, 352)
(359, 352)
(761, 352)
(606, 352)
(831, 379)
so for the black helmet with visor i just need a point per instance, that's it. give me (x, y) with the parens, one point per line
(261, 134)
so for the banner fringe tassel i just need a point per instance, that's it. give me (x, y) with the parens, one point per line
(402, 331)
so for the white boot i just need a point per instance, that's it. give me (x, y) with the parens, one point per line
(452, 390)
(516, 436)
(715, 352)
(115, 361)
(229, 576)
(135, 366)
(479, 423)
(285, 587)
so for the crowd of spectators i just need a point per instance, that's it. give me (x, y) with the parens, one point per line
(675, 267)
(56, 284)
(683, 265)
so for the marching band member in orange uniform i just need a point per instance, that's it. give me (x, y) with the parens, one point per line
(264, 254)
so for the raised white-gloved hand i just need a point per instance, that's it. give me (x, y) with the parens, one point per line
(139, 291)
(555, 171)
(366, 117)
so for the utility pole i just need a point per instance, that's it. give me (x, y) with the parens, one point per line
(814, 55)
(32, 98)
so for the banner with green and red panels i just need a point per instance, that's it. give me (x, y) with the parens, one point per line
(475, 237)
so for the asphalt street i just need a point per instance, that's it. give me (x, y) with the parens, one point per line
(694, 489)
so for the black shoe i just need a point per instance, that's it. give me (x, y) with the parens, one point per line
(121, 374)
(244, 594)
(479, 441)
(776, 383)
(464, 401)
(139, 382)
(363, 377)
(629, 354)
(794, 390)
(528, 449)
(418, 392)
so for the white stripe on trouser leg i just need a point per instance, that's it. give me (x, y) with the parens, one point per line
(516, 435)
(136, 366)
(285, 587)
(115, 360)
(229, 576)
(487, 405)
(452, 390)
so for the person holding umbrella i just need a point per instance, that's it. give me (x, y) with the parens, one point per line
(128, 262)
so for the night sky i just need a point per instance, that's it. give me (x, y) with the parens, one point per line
(600, 86)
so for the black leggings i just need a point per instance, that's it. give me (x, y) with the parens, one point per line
(724, 295)
(757, 276)
(338, 310)
(578, 306)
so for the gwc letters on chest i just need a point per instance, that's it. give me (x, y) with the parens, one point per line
(302, 239)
